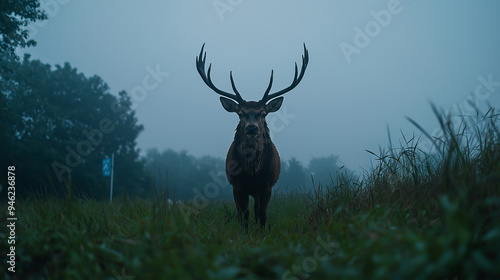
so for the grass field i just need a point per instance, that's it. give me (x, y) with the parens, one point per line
(415, 215)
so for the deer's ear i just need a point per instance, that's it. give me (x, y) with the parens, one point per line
(229, 105)
(274, 105)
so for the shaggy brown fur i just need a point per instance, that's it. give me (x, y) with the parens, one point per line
(252, 167)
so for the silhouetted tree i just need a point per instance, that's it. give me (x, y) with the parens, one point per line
(59, 125)
(14, 17)
(185, 175)
(293, 176)
(324, 169)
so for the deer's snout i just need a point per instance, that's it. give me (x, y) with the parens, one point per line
(251, 129)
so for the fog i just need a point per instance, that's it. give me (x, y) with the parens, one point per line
(372, 64)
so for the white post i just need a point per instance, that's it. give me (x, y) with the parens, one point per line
(112, 168)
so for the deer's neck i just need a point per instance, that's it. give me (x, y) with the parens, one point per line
(252, 152)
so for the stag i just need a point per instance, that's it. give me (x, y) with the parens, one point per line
(252, 163)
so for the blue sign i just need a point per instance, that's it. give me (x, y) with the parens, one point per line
(106, 167)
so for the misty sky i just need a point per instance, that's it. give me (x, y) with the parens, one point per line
(372, 63)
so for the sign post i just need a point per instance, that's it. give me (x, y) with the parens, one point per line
(108, 165)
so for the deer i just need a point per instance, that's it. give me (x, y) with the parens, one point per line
(252, 162)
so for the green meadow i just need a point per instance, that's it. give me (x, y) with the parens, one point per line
(415, 214)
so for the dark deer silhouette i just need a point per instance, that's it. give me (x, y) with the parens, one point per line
(252, 163)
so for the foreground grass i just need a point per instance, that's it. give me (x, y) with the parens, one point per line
(414, 216)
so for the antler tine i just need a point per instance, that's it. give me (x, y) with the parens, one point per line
(234, 87)
(269, 86)
(200, 66)
(295, 82)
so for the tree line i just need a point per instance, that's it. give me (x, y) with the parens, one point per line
(183, 176)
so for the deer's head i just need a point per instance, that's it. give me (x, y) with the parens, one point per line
(252, 114)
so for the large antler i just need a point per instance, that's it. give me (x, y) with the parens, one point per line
(296, 80)
(200, 65)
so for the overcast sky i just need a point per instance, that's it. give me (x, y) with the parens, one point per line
(372, 63)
